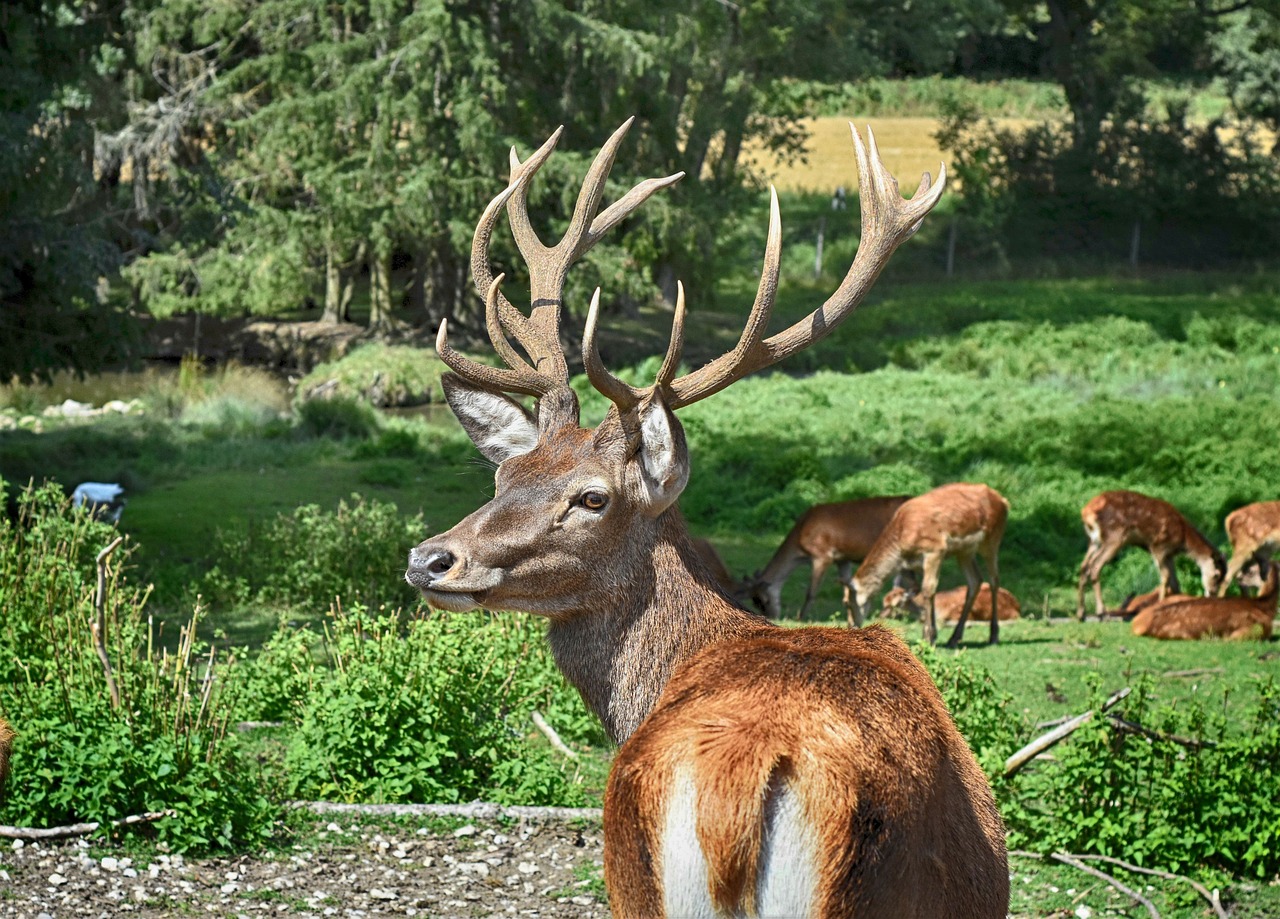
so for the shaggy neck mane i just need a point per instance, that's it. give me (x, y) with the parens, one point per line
(621, 649)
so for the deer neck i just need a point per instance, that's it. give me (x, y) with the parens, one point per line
(621, 648)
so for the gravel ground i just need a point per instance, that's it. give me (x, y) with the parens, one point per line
(477, 870)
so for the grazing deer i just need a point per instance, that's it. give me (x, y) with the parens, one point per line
(6, 745)
(1254, 531)
(961, 520)
(949, 604)
(1212, 617)
(1115, 519)
(824, 535)
(763, 770)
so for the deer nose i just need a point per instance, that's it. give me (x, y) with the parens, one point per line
(434, 564)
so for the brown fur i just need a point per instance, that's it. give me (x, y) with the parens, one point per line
(826, 534)
(949, 603)
(1115, 519)
(962, 520)
(1233, 618)
(6, 747)
(739, 735)
(1254, 531)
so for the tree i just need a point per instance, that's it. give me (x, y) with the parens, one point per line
(55, 244)
(1247, 52)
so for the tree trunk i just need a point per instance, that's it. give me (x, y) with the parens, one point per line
(333, 305)
(380, 291)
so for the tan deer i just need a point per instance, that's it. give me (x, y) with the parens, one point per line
(6, 747)
(949, 604)
(1232, 618)
(1254, 531)
(826, 534)
(763, 770)
(1115, 519)
(961, 520)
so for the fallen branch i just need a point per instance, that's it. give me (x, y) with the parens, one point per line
(1132, 727)
(1198, 671)
(478, 810)
(257, 725)
(1015, 763)
(1169, 876)
(98, 628)
(1075, 862)
(550, 733)
(79, 829)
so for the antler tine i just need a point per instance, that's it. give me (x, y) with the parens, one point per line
(498, 330)
(747, 354)
(888, 220)
(520, 378)
(530, 338)
(675, 347)
(621, 394)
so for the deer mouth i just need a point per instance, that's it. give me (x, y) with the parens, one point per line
(451, 600)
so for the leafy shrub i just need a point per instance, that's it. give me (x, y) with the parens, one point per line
(381, 375)
(148, 735)
(340, 418)
(310, 557)
(1207, 802)
(985, 714)
(424, 710)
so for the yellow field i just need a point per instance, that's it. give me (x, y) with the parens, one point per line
(906, 146)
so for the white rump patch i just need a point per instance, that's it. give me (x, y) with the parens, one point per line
(788, 877)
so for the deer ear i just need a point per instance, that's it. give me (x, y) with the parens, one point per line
(499, 426)
(663, 458)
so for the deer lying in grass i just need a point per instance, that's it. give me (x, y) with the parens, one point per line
(1212, 617)
(763, 771)
(961, 520)
(949, 604)
(840, 533)
(1115, 519)
(6, 747)
(1254, 531)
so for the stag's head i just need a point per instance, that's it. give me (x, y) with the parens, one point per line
(577, 513)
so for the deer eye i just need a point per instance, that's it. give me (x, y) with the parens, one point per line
(594, 500)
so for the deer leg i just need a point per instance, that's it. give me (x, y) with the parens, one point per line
(1106, 552)
(993, 581)
(1234, 567)
(1164, 568)
(820, 564)
(972, 579)
(844, 571)
(1085, 567)
(929, 587)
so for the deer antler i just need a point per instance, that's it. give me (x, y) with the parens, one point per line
(538, 334)
(888, 220)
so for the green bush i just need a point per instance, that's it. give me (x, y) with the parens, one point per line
(312, 557)
(425, 710)
(381, 375)
(1206, 802)
(147, 733)
(339, 418)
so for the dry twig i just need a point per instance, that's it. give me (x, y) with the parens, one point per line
(550, 733)
(1015, 763)
(99, 626)
(78, 829)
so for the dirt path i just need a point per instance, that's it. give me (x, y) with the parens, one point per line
(480, 869)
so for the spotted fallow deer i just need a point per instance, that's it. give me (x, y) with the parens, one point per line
(826, 534)
(949, 604)
(762, 770)
(1212, 617)
(1254, 531)
(962, 520)
(1115, 519)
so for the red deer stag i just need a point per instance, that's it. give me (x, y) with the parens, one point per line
(763, 770)
(824, 535)
(962, 520)
(1254, 531)
(949, 604)
(1115, 519)
(1212, 617)
(6, 745)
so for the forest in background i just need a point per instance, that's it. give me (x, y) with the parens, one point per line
(291, 158)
